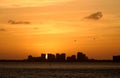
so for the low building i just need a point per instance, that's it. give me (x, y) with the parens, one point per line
(116, 58)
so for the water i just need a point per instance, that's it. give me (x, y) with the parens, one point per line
(59, 70)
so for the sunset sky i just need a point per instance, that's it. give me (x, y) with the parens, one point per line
(57, 26)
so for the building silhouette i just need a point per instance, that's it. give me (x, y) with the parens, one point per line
(68, 59)
(33, 59)
(81, 57)
(63, 57)
(51, 58)
(116, 58)
(30, 58)
(58, 58)
(71, 58)
(43, 57)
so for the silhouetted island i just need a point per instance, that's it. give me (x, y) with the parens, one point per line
(80, 57)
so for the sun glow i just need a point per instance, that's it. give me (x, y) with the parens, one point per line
(46, 56)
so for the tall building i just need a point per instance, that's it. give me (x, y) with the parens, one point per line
(63, 57)
(68, 59)
(51, 58)
(71, 58)
(43, 57)
(60, 57)
(81, 57)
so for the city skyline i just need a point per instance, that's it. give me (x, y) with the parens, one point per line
(56, 26)
(62, 57)
(79, 57)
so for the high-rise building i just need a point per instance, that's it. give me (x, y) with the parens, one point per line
(81, 57)
(60, 57)
(63, 57)
(51, 57)
(73, 58)
(43, 57)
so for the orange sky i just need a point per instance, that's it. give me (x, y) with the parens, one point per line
(55, 24)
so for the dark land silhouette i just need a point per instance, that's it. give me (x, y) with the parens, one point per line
(59, 58)
(116, 58)
(80, 57)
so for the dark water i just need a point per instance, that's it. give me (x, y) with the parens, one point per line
(59, 70)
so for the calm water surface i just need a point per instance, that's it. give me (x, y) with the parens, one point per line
(59, 70)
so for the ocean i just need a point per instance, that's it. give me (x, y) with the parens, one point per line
(59, 70)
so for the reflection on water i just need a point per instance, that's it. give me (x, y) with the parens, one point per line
(59, 70)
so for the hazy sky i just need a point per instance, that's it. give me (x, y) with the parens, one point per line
(56, 26)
